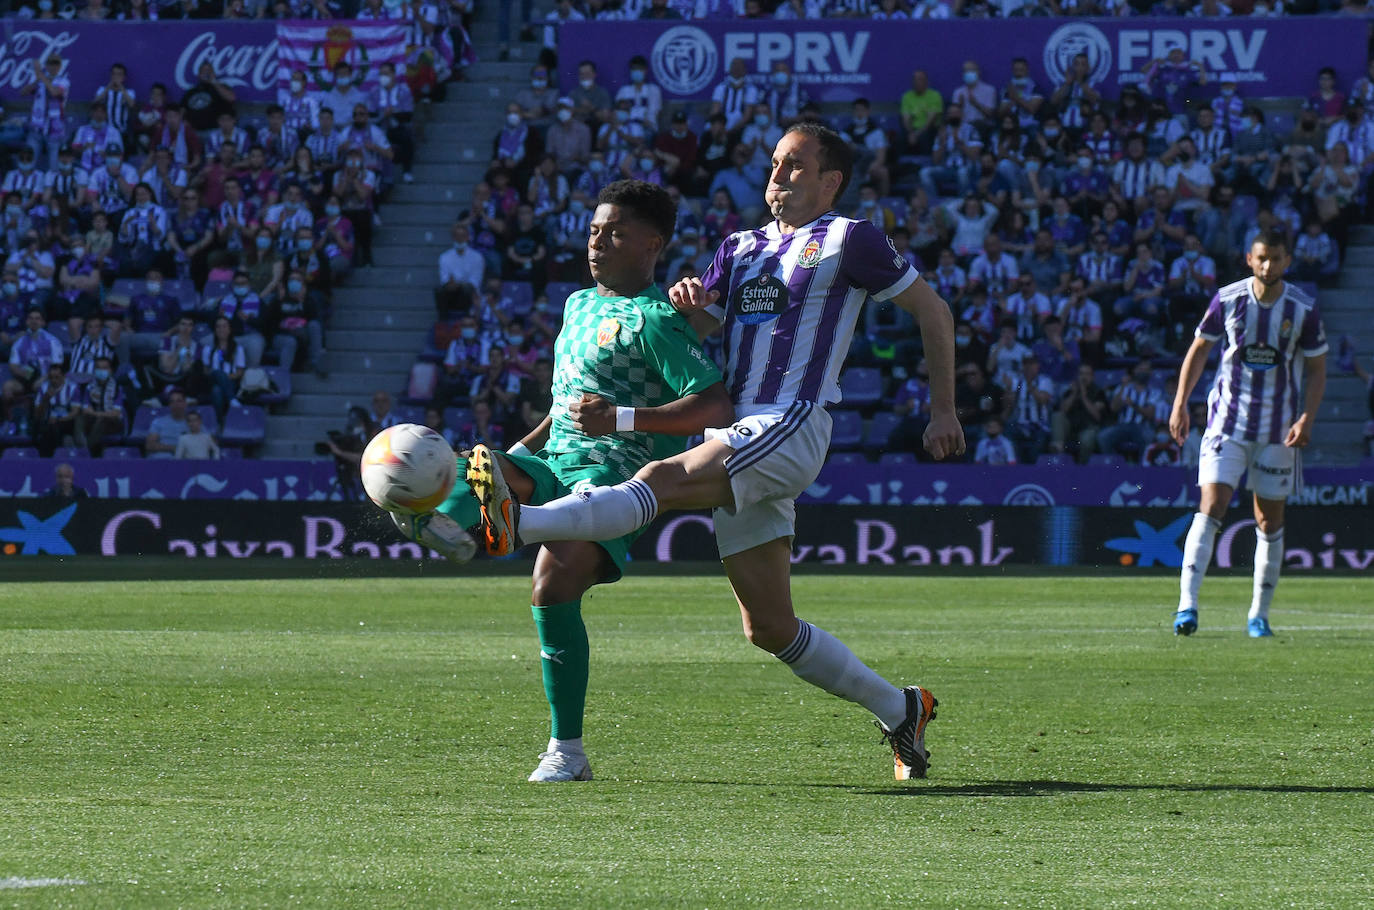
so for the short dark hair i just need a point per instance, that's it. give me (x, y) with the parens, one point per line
(836, 153)
(1271, 237)
(648, 202)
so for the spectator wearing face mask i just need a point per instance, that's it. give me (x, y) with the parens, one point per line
(96, 139)
(568, 139)
(366, 139)
(345, 93)
(1137, 407)
(300, 108)
(645, 99)
(102, 408)
(976, 98)
(461, 272)
(735, 97)
(335, 233)
(57, 400)
(591, 102)
(355, 186)
(538, 100)
(298, 325)
(394, 107)
(245, 311)
(568, 232)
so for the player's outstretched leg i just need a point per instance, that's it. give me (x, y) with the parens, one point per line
(500, 510)
(439, 532)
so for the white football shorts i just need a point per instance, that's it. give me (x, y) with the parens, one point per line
(1272, 467)
(778, 453)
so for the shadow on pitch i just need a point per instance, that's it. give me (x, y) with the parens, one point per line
(1022, 788)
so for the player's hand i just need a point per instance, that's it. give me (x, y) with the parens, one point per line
(1179, 424)
(593, 415)
(944, 438)
(689, 295)
(1299, 434)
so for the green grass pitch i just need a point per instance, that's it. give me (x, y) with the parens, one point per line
(364, 743)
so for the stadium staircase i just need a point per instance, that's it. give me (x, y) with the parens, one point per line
(1347, 309)
(382, 315)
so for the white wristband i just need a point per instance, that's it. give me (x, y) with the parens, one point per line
(517, 448)
(624, 419)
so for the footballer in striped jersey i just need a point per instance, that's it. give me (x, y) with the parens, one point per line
(1260, 412)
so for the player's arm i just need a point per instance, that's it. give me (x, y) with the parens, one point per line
(943, 436)
(535, 439)
(1193, 364)
(687, 416)
(677, 358)
(1314, 387)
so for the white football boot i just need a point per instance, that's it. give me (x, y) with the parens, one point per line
(438, 532)
(555, 767)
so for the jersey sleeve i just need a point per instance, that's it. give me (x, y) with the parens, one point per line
(671, 349)
(717, 277)
(873, 263)
(1213, 323)
(1312, 339)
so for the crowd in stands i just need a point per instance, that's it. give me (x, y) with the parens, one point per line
(1077, 237)
(160, 245)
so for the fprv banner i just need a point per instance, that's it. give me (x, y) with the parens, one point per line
(839, 60)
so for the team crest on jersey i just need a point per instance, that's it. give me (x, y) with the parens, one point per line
(1286, 328)
(607, 332)
(810, 255)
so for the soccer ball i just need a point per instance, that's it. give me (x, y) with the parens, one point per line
(408, 469)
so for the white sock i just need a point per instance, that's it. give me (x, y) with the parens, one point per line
(601, 513)
(823, 660)
(566, 746)
(1268, 560)
(1197, 556)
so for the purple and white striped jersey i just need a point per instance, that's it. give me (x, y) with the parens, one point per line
(791, 301)
(1255, 396)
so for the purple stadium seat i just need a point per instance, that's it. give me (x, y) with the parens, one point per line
(231, 454)
(409, 413)
(209, 418)
(520, 295)
(68, 452)
(848, 432)
(879, 429)
(1108, 458)
(424, 378)
(862, 387)
(121, 292)
(143, 419)
(281, 379)
(58, 329)
(244, 426)
(122, 452)
(898, 458)
(19, 452)
(1054, 461)
(214, 292)
(848, 459)
(558, 293)
(457, 418)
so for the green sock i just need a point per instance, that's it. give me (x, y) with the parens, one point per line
(563, 652)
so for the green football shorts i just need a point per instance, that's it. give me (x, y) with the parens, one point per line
(554, 476)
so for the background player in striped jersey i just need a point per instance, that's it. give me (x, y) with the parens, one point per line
(621, 341)
(789, 295)
(1256, 421)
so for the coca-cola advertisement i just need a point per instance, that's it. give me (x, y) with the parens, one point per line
(247, 56)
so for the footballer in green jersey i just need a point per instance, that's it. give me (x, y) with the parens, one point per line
(630, 384)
